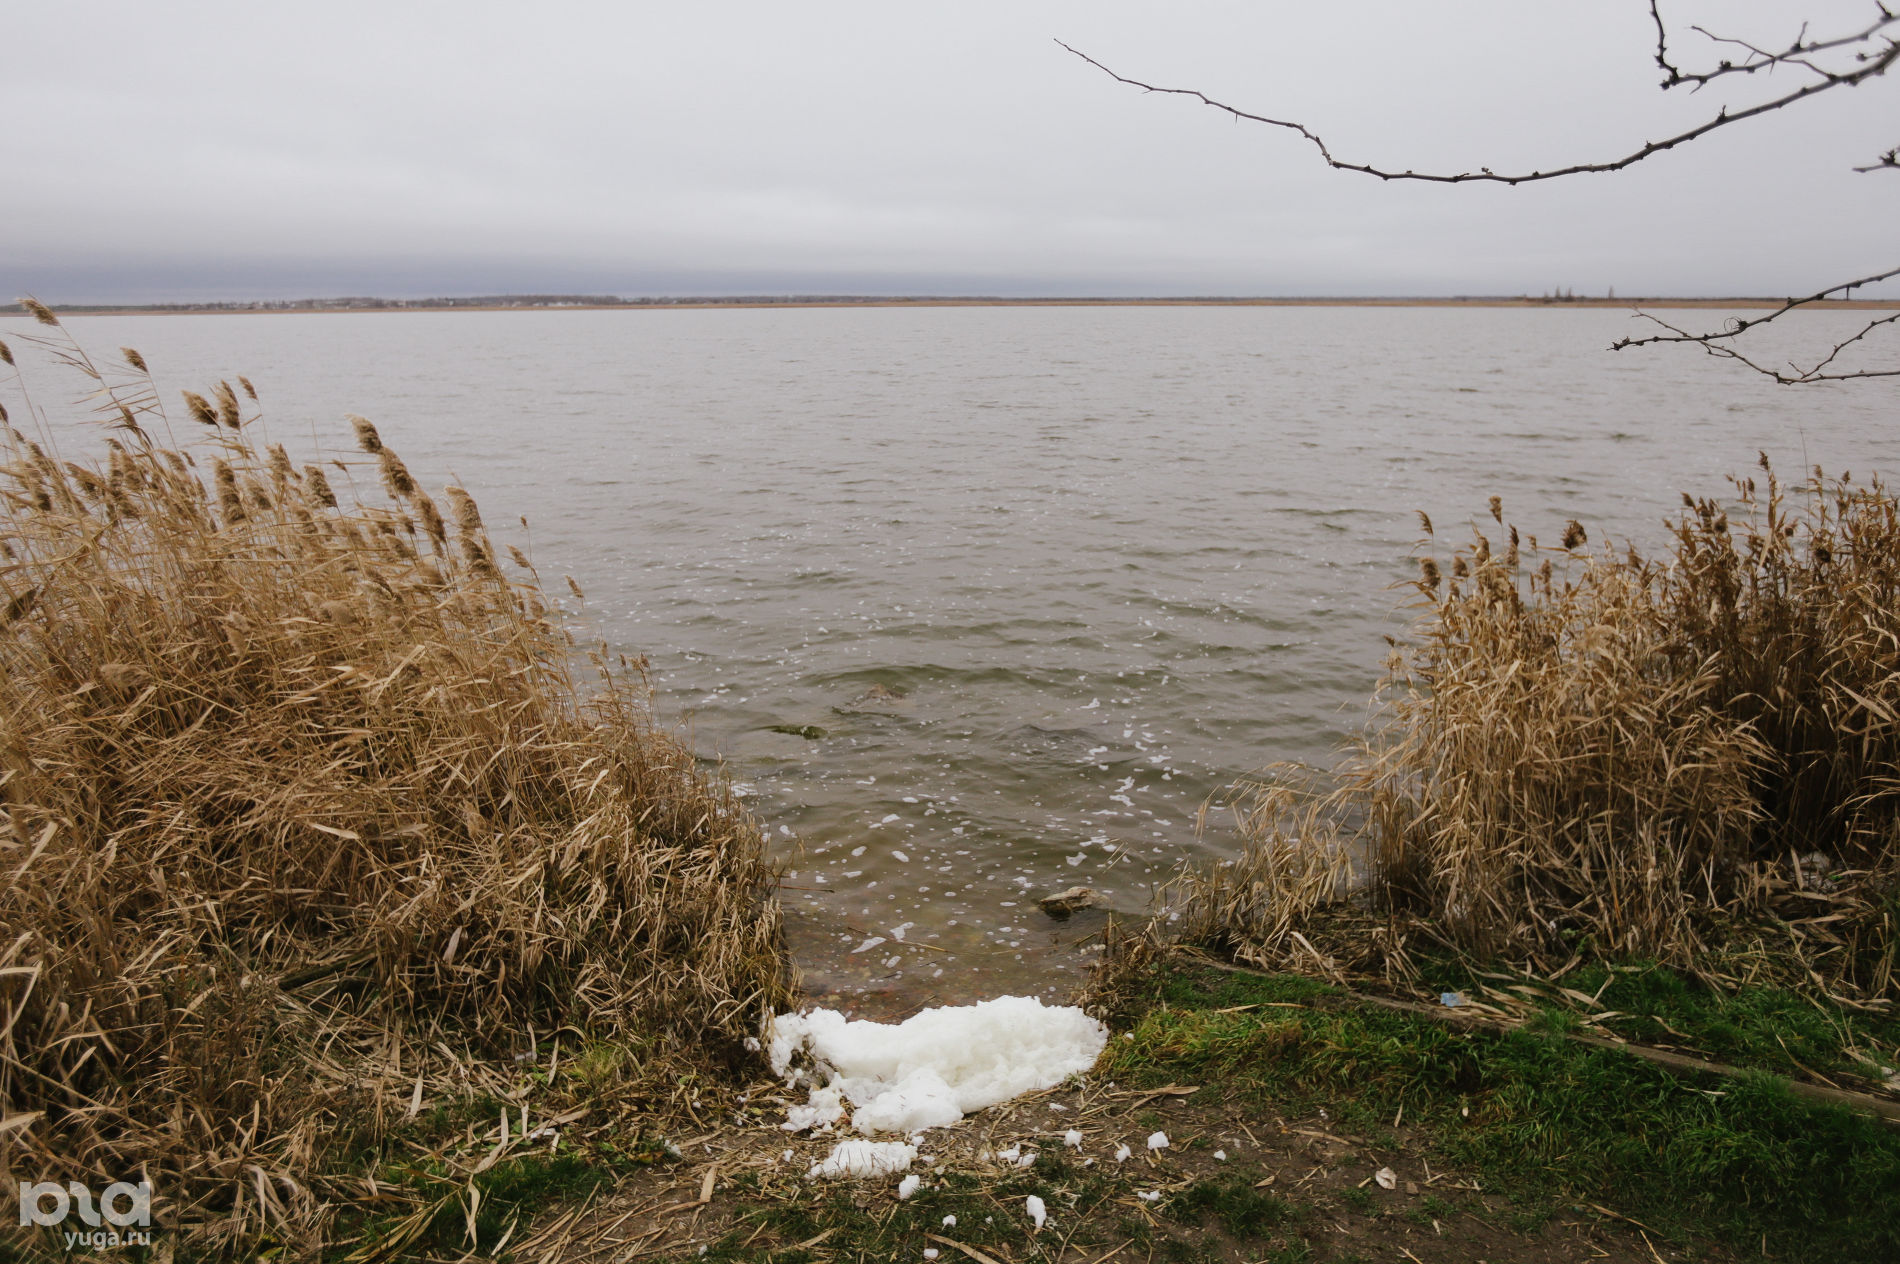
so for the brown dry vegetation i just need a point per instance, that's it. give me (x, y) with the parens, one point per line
(1691, 759)
(306, 806)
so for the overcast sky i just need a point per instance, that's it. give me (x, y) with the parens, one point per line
(244, 150)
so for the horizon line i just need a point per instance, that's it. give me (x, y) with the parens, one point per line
(573, 302)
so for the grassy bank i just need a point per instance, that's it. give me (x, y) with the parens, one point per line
(1285, 1100)
(318, 827)
(1737, 1162)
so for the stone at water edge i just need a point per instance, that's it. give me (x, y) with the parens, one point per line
(1063, 903)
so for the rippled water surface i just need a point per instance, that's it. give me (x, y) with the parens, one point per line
(1037, 582)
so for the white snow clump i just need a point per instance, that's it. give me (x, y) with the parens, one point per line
(823, 1109)
(908, 1186)
(934, 1067)
(1037, 1211)
(865, 1158)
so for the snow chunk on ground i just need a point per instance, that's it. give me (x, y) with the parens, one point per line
(1038, 1212)
(865, 1158)
(935, 1067)
(825, 1108)
(908, 1186)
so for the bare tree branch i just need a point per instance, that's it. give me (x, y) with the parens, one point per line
(1797, 53)
(1870, 65)
(1717, 343)
(1889, 161)
(1875, 49)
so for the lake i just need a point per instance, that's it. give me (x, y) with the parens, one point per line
(1037, 584)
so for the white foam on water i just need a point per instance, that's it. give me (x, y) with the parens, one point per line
(933, 1068)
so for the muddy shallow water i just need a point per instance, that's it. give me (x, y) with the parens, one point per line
(1032, 585)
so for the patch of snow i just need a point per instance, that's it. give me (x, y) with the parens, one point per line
(1038, 1212)
(1157, 1141)
(825, 1108)
(1221, 1155)
(1072, 1139)
(867, 945)
(1123, 1154)
(949, 1222)
(935, 1067)
(1149, 1196)
(908, 1186)
(864, 1158)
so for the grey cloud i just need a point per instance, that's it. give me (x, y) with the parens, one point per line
(214, 150)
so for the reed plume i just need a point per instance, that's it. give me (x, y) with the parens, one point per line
(366, 436)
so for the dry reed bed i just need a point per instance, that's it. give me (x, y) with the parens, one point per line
(1693, 758)
(303, 802)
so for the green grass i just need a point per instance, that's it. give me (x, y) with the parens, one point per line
(1768, 1028)
(1543, 1118)
(412, 1166)
(1242, 1211)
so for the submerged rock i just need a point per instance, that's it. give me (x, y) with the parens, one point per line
(1063, 903)
(810, 732)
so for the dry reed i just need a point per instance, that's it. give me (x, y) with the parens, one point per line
(302, 807)
(1694, 760)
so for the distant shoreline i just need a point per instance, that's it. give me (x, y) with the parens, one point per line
(539, 303)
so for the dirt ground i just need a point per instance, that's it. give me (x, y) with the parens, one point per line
(726, 1185)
